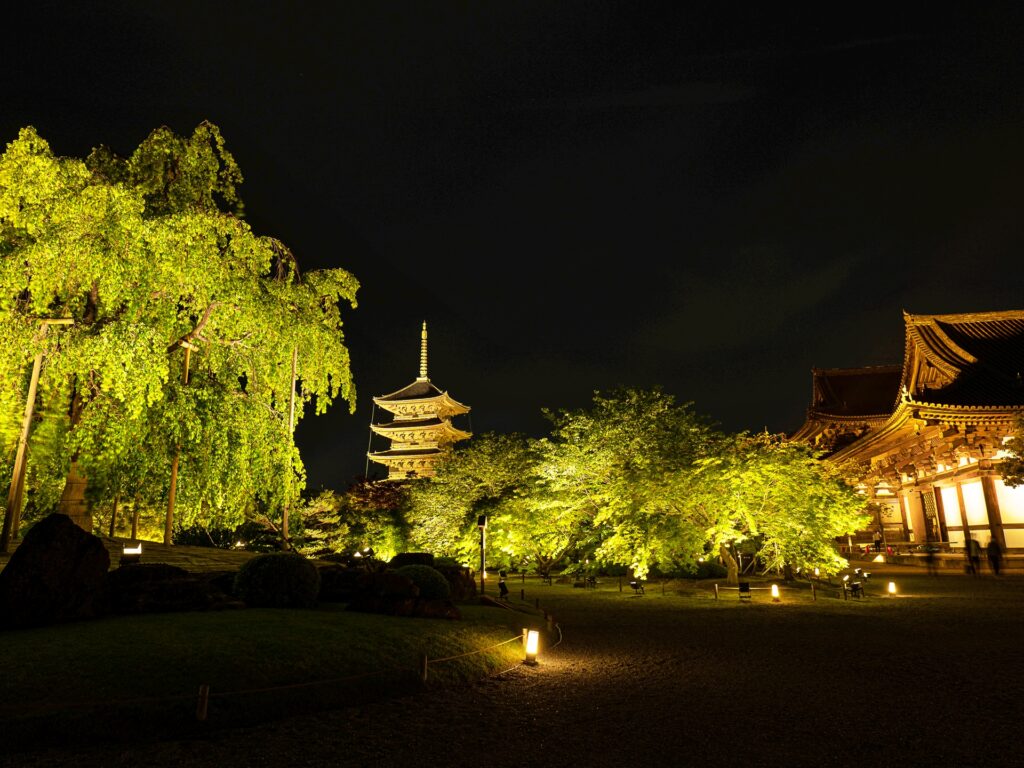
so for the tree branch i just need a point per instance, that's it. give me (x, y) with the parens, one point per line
(195, 331)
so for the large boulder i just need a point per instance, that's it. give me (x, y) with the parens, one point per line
(396, 595)
(339, 584)
(460, 579)
(411, 558)
(57, 574)
(158, 588)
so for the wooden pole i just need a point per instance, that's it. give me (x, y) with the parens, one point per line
(716, 591)
(172, 494)
(113, 514)
(15, 494)
(203, 702)
(423, 667)
(483, 572)
(814, 593)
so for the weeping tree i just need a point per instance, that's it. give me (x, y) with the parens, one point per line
(194, 344)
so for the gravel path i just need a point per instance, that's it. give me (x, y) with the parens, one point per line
(933, 675)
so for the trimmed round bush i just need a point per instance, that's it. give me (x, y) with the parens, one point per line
(432, 583)
(278, 580)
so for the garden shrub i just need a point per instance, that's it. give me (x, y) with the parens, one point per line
(432, 583)
(278, 580)
(705, 570)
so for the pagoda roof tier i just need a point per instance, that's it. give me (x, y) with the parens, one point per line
(394, 453)
(415, 430)
(421, 393)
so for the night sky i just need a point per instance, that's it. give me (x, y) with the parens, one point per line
(577, 196)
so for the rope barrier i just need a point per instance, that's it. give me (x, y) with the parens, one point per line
(470, 653)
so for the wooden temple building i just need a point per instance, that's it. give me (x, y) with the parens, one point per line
(928, 436)
(421, 428)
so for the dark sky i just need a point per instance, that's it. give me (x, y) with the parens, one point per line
(577, 196)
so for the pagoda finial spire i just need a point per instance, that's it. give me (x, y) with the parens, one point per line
(423, 351)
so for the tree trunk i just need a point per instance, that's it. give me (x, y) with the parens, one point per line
(731, 565)
(787, 572)
(72, 499)
(113, 514)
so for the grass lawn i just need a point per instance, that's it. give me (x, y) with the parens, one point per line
(138, 676)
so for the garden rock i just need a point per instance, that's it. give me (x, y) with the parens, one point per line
(339, 584)
(57, 574)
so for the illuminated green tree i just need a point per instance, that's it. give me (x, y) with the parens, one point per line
(149, 255)
(621, 469)
(779, 495)
(368, 516)
(480, 477)
(1012, 467)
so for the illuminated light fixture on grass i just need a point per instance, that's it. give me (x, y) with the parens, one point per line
(131, 554)
(532, 642)
(775, 593)
(892, 587)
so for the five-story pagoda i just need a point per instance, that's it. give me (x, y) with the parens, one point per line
(421, 430)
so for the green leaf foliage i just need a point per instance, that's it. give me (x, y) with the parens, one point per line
(636, 480)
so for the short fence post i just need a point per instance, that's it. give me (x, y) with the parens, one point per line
(620, 583)
(814, 594)
(522, 595)
(524, 576)
(423, 667)
(203, 703)
(536, 602)
(525, 633)
(716, 591)
(551, 622)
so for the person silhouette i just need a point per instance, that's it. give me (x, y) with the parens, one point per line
(973, 551)
(929, 559)
(502, 587)
(995, 555)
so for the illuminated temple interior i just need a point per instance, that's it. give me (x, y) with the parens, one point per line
(928, 436)
(421, 428)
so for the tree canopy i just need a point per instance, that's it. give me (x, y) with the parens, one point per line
(640, 481)
(152, 260)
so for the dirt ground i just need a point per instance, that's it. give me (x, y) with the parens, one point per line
(931, 676)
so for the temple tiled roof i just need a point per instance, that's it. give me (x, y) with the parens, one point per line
(870, 391)
(967, 359)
